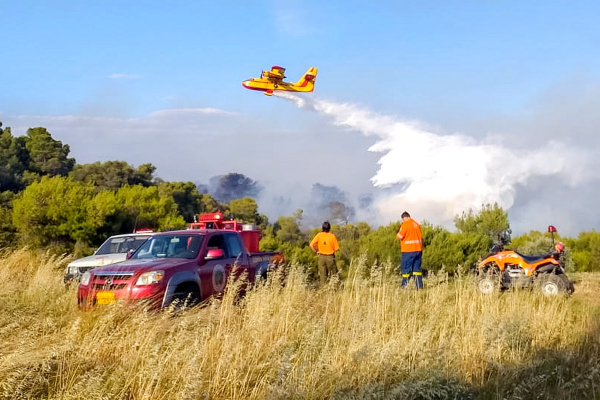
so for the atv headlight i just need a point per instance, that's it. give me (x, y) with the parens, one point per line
(72, 270)
(85, 279)
(148, 278)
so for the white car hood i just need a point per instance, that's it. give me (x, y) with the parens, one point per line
(99, 261)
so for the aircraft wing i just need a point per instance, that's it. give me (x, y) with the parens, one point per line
(276, 73)
(273, 76)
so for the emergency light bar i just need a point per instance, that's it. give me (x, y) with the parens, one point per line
(211, 216)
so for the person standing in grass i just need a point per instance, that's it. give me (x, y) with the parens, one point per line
(411, 246)
(325, 244)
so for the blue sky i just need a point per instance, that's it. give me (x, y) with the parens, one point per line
(61, 53)
(524, 71)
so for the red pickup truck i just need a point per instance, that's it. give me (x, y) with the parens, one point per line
(187, 266)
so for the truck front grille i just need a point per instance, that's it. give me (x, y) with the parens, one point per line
(111, 280)
(100, 286)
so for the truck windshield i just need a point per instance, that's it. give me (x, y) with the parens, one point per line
(121, 244)
(170, 246)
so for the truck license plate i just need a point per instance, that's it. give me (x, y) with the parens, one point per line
(105, 297)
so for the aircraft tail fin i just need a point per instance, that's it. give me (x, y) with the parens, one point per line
(307, 82)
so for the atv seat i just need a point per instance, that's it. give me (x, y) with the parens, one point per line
(532, 259)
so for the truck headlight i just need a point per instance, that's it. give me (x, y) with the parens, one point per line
(148, 278)
(72, 270)
(85, 279)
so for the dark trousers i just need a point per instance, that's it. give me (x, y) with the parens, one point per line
(411, 265)
(327, 267)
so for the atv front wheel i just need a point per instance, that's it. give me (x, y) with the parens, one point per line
(488, 278)
(488, 283)
(552, 285)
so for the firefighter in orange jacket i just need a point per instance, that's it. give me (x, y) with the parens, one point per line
(325, 244)
(411, 246)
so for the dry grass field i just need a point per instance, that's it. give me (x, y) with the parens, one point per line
(363, 339)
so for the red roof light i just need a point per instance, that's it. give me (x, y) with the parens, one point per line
(143, 230)
(211, 216)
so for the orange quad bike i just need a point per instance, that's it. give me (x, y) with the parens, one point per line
(505, 269)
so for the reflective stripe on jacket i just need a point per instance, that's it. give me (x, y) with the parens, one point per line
(410, 236)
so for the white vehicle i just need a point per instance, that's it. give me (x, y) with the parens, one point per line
(112, 251)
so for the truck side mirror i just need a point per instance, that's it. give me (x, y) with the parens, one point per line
(212, 254)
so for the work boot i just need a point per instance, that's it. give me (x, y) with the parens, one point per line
(419, 282)
(404, 283)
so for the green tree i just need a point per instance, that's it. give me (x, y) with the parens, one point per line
(109, 215)
(477, 231)
(54, 211)
(348, 236)
(287, 230)
(143, 175)
(13, 161)
(363, 229)
(46, 155)
(209, 203)
(113, 175)
(246, 210)
(285, 235)
(533, 243)
(382, 245)
(490, 220)
(186, 196)
(437, 247)
(468, 248)
(585, 251)
(7, 228)
(145, 207)
(59, 210)
(268, 241)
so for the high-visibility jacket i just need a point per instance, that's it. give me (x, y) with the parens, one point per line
(327, 242)
(410, 236)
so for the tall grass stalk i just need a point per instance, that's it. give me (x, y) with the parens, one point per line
(361, 338)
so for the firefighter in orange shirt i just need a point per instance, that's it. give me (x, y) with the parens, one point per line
(325, 244)
(411, 246)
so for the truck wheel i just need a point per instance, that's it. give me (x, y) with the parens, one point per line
(187, 295)
(552, 285)
(262, 271)
(488, 280)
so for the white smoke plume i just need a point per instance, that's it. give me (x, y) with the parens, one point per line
(440, 175)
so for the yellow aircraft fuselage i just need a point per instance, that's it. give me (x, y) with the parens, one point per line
(273, 80)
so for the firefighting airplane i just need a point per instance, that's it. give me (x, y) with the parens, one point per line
(272, 80)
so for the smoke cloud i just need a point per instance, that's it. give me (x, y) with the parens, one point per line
(437, 176)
